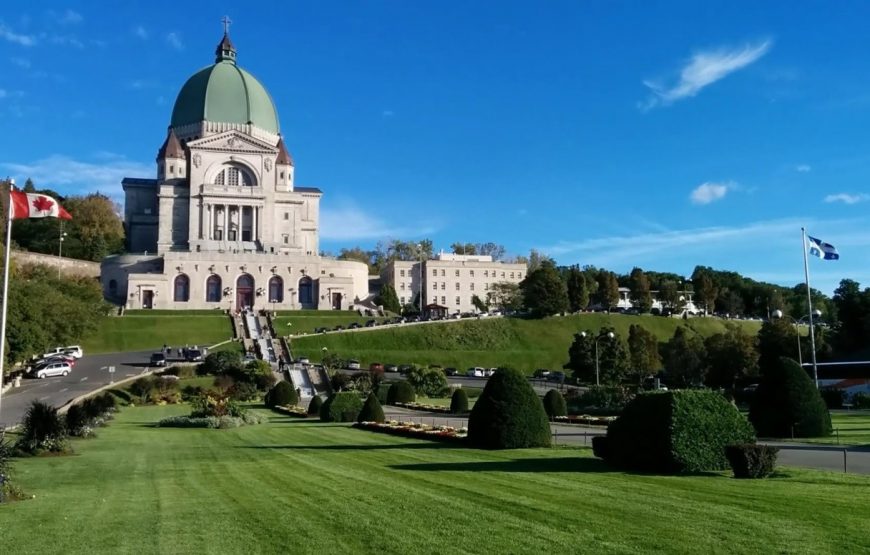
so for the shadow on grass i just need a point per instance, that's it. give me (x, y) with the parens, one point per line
(377, 447)
(561, 464)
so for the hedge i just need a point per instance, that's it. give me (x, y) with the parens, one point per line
(749, 460)
(787, 403)
(554, 404)
(401, 392)
(675, 432)
(343, 406)
(371, 410)
(508, 414)
(314, 406)
(282, 394)
(459, 402)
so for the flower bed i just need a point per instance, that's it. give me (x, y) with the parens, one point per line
(415, 430)
(424, 407)
(298, 412)
(585, 419)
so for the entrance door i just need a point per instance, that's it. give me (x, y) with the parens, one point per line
(148, 299)
(336, 301)
(244, 292)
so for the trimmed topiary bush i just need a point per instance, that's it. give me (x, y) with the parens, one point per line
(371, 410)
(599, 447)
(508, 415)
(343, 406)
(861, 400)
(787, 403)
(833, 397)
(401, 392)
(554, 404)
(749, 460)
(282, 394)
(459, 402)
(675, 432)
(314, 406)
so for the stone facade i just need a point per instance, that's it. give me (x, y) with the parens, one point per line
(450, 280)
(224, 224)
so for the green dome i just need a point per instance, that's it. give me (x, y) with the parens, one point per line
(225, 93)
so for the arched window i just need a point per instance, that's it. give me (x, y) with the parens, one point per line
(306, 291)
(276, 290)
(234, 176)
(213, 289)
(182, 289)
(113, 287)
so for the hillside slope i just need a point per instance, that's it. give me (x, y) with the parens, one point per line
(522, 344)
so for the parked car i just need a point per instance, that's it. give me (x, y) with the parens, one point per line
(541, 373)
(490, 372)
(158, 359)
(338, 328)
(450, 371)
(303, 360)
(405, 368)
(371, 323)
(476, 372)
(74, 351)
(391, 368)
(320, 330)
(53, 369)
(556, 376)
(54, 352)
(354, 326)
(193, 355)
(353, 364)
(376, 367)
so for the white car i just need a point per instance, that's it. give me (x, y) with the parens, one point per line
(74, 351)
(53, 369)
(476, 372)
(353, 365)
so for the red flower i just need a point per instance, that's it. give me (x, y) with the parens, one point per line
(43, 204)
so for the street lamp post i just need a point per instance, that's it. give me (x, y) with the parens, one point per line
(61, 236)
(420, 291)
(608, 335)
(777, 314)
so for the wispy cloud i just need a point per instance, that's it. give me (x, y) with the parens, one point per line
(708, 192)
(349, 222)
(67, 17)
(140, 32)
(21, 62)
(78, 176)
(6, 93)
(388, 113)
(16, 38)
(803, 168)
(173, 39)
(66, 40)
(703, 69)
(847, 198)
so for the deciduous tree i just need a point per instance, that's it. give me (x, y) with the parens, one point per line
(639, 289)
(643, 351)
(544, 292)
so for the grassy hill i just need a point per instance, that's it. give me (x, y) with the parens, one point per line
(522, 344)
(306, 321)
(140, 330)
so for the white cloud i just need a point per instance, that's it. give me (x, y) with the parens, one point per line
(174, 40)
(76, 176)
(68, 17)
(21, 62)
(708, 192)
(388, 113)
(703, 69)
(803, 168)
(66, 40)
(847, 198)
(351, 223)
(16, 38)
(140, 32)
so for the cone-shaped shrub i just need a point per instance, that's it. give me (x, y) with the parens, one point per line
(282, 394)
(787, 402)
(400, 392)
(508, 414)
(343, 406)
(554, 404)
(314, 406)
(459, 401)
(371, 411)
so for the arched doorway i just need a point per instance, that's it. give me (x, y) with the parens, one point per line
(181, 289)
(276, 290)
(244, 292)
(306, 292)
(213, 289)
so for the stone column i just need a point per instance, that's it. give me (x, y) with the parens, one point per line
(226, 233)
(256, 217)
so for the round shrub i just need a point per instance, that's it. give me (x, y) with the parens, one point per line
(508, 414)
(282, 394)
(787, 403)
(554, 404)
(459, 402)
(751, 461)
(314, 406)
(400, 392)
(674, 432)
(343, 406)
(371, 410)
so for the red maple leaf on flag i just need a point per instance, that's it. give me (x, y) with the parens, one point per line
(43, 204)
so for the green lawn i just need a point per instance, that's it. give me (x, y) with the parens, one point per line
(291, 322)
(142, 330)
(522, 344)
(851, 428)
(295, 486)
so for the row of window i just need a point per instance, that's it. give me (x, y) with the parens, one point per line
(435, 300)
(244, 286)
(486, 273)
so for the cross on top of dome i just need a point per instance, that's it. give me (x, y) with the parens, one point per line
(226, 50)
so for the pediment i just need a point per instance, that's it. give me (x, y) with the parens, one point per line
(232, 141)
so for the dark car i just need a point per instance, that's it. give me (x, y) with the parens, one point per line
(391, 368)
(541, 373)
(338, 328)
(320, 330)
(405, 368)
(556, 376)
(354, 326)
(158, 359)
(450, 371)
(192, 355)
(371, 323)
(398, 320)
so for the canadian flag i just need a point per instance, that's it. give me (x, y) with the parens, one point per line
(33, 205)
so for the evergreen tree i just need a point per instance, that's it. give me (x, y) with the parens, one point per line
(731, 356)
(613, 360)
(643, 350)
(578, 291)
(639, 287)
(685, 358)
(544, 292)
(608, 289)
(388, 299)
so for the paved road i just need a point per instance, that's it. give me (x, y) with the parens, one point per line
(86, 376)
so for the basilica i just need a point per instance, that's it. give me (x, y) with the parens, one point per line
(224, 224)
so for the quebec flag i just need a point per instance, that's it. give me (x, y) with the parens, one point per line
(823, 250)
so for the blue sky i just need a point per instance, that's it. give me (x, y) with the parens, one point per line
(658, 134)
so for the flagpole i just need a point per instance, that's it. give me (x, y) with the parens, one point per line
(11, 184)
(809, 307)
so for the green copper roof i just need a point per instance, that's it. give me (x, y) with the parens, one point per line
(225, 93)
